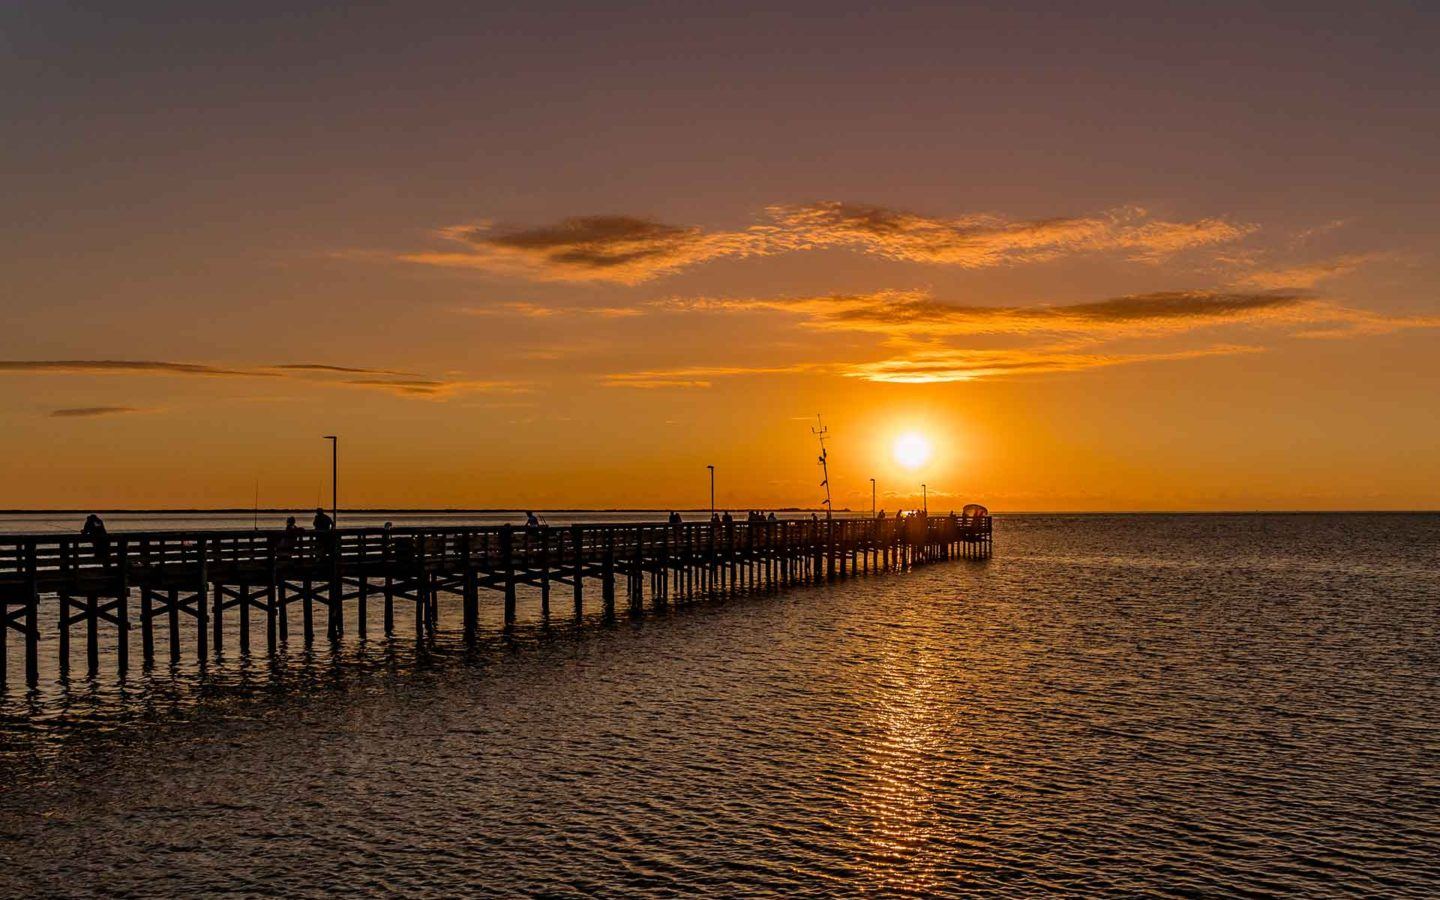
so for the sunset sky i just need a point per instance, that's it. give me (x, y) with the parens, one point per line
(1159, 256)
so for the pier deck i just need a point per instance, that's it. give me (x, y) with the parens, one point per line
(203, 575)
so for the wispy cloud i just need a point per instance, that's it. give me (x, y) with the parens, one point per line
(528, 310)
(929, 367)
(1306, 275)
(923, 332)
(630, 249)
(419, 387)
(622, 249)
(89, 412)
(387, 380)
(983, 240)
(916, 314)
(337, 370)
(123, 367)
(699, 376)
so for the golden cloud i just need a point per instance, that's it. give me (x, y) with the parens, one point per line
(629, 249)
(1306, 275)
(939, 366)
(916, 314)
(977, 241)
(925, 327)
(699, 376)
(621, 249)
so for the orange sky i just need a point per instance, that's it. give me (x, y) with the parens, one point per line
(1152, 259)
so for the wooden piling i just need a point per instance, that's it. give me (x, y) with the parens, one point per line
(507, 566)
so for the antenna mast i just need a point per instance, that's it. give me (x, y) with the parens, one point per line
(820, 431)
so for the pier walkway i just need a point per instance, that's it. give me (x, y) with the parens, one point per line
(207, 576)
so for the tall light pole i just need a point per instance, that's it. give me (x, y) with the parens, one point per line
(872, 498)
(334, 478)
(712, 491)
(924, 499)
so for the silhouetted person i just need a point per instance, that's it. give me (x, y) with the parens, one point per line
(674, 518)
(725, 519)
(322, 521)
(94, 529)
(771, 517)
(290, 539)
(714, 518)
(531, 520)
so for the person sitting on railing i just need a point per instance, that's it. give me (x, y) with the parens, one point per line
(322, 521)
(94, 529)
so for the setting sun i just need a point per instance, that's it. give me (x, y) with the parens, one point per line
(912, 450)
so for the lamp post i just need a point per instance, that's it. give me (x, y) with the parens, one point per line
(872, 498)
(712, 491)
(334, 478)
(924, 499)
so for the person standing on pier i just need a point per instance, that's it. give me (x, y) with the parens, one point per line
(324, 534)
(94, 529)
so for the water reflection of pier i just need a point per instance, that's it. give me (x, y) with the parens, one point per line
(205, 576)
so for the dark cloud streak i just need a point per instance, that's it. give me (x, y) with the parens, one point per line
(88, 412)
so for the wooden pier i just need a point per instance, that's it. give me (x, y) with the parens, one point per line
(215, 577)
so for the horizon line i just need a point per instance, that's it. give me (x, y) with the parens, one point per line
(704, 509)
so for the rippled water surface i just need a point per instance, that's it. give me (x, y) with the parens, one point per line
(1170, 704)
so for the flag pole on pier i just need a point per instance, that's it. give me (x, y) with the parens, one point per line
(872, 498)
(712, 491)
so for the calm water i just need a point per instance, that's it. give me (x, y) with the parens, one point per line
(1172, 704)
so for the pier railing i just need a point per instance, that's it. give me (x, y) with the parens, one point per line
(204, 574)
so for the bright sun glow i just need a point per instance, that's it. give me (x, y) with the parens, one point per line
(912, 450)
